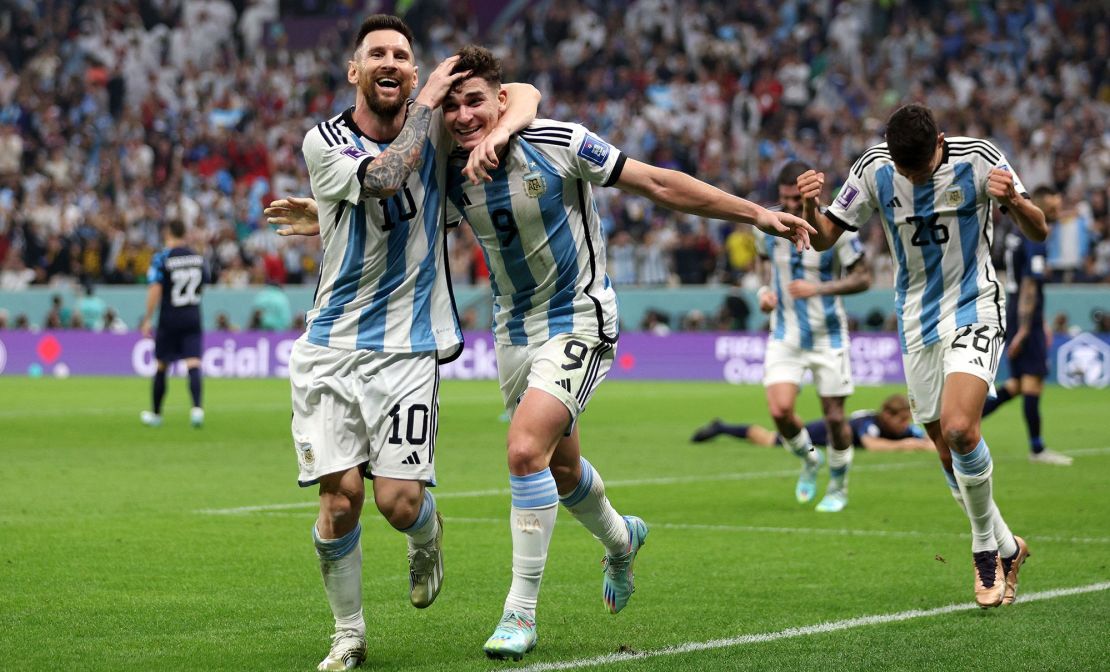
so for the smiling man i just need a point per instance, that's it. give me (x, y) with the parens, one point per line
(555, 311)
(555, 317)
(364, 375)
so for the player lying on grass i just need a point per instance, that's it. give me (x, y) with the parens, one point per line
(888, 430)
(555, 320)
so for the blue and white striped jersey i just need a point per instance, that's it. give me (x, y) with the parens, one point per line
(939, 234)
(383, 284)
(540, 231)
(819, 322)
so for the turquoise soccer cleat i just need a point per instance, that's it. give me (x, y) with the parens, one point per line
(619, 583)
(514, 636)
(806, 489)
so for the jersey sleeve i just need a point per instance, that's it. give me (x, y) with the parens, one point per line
(1033, 260)
(849, 249)
(855, 202)
(157, 269)
(335, 169)
(916, 431)
(577, 151)
(1003, 164)
(453, 216)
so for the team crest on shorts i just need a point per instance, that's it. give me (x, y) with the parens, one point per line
(304, 451)
(534, 184)
(953, 196)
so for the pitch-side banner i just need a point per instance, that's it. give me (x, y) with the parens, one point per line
(731, 357)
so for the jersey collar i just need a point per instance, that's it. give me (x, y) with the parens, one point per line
(349, 119)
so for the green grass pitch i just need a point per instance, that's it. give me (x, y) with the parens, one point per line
(118, 550)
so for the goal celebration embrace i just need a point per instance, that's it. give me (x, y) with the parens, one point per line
(641, 335)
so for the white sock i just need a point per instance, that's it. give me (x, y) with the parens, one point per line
(801, 445)
(973, 474)
(1002, 535)
(424, 529)
(589, 506)
(840, 461)
(341, 568)
(532, 519)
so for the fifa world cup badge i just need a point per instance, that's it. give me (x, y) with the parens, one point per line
(534, 184)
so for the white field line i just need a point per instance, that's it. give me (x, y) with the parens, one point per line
(757, 529)
(663, 480)
(803, 631)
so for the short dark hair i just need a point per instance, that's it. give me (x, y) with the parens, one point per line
(480, 62)
(911, 136)
(1044, 191)
(176, 228)
(789, 174)
(376, 22)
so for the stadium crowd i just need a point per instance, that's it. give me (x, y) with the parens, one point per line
(118, 114)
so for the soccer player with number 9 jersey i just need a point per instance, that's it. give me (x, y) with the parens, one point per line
(934, 197)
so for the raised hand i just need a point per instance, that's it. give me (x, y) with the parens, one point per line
(295, 216)
(440, 82)
(483, 158)
(1000, 185)
(811, 183)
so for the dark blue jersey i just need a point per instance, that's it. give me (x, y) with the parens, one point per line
(180, 271)
(1024, 259)
(863, 423)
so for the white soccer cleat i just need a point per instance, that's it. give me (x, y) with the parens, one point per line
(196, 416)
(834, 501)
(1047, 456)
(348, 650)
(514, 636)
(426, 569)
(150, 419)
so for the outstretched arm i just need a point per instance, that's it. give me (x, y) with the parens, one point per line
(522, 103)
(679, 191)
(856, 280)
(880, 445)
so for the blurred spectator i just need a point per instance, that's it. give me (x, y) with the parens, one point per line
(59, 316)
(91, 308)
(116, 115)
(113, 324)
(735, 312)
(223, 322)
(656, 322)
(1069, 239)
(740, 251)
(273, 308)
(3, 318)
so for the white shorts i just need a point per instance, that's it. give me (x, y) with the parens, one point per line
(569, 367)
(364, 408)
(974, 349)
(832, 369)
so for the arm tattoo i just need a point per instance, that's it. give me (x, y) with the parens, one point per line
(387, 173)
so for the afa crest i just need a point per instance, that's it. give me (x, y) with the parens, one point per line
(304, 449)
(534, 184)
(953, 196)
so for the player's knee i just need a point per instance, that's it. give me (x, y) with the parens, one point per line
(835, 418)
(341, 509)
(961, 433)
(525, 454)
(781, 413)
(400, 506)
